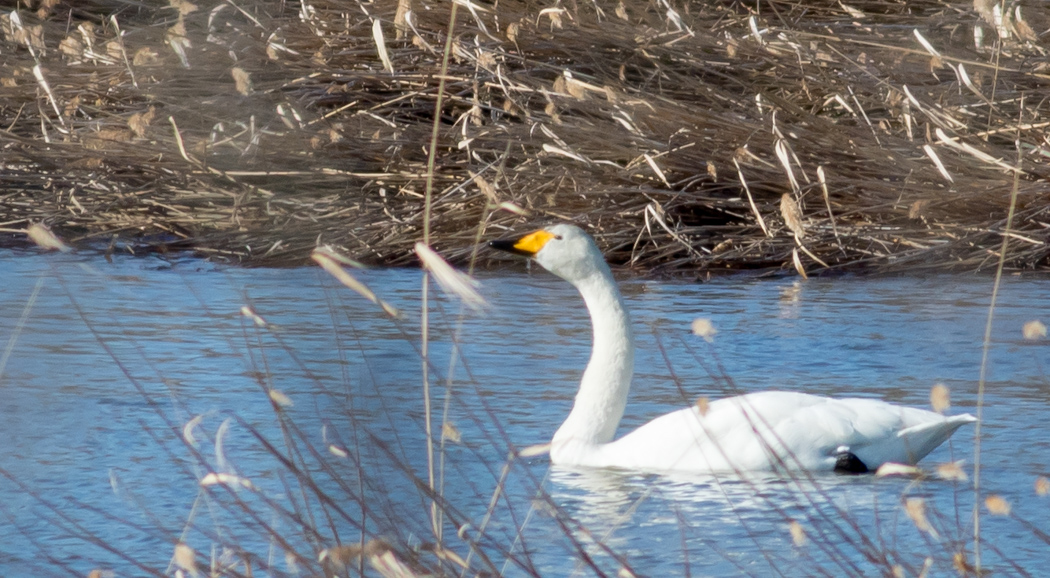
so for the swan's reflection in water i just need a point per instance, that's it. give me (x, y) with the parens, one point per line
(659, 522)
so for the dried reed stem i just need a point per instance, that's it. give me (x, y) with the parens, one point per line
(985, 348)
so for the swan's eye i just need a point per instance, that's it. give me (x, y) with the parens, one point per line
(558, 237)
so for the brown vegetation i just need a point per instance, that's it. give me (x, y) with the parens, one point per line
(256, 130)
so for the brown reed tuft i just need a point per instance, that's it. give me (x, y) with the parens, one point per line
(997, 505)
(915, 508)
(940, 398)
(1033, 330)
(1042, 486)
(798, 533)
(896, 137)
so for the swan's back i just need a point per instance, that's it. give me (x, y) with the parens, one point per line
(773, 430)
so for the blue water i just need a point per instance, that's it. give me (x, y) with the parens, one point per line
(109, 362)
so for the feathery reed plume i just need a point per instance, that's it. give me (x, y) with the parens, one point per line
(997, 505)
(940, 398)
(952, 471)
(453, 282)
(329, 264)
(1033, 330)
(703, 327)
(45, 239)
(186, 559)
(798, 534)
(1042, 486)
(915, 508)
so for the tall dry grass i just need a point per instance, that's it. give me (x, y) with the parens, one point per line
(254, 131)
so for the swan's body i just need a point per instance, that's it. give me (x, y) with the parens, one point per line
(758, 431)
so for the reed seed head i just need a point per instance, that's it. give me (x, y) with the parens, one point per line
(278, 397)
(224, 479)
(1033, 330)
(291, 562)
(250, 314)
(952, 471)
(798, 534)
(792, 215)
(895, 469)
(45, 239)
(997, 505)
(940, 398)
(241, 80)
(337, 451)
(341, 555)
(186, 559)
(1042, 486)
(450, 280)
(702, 327)
(916, 510)
(449, 432)
(534, 450)
(329, 264)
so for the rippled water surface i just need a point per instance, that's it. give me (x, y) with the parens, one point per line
(119, 379)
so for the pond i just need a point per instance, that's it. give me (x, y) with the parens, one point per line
(127, 383)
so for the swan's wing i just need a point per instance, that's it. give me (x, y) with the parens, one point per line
(815, 434)
(795, 430)
(875, 431)
(680, 441)
(768, 430)
(752, 432)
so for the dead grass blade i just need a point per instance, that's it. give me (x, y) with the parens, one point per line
(453, 282)
(333, 269)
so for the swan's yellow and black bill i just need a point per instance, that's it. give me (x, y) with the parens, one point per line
(528, 245)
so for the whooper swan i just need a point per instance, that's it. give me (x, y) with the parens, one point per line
(758, 431)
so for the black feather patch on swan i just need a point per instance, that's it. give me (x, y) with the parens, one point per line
(849, 463)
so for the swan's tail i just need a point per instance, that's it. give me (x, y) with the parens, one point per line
(919, 440)
(911, 443)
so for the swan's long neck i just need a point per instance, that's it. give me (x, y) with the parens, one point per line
(603, 391)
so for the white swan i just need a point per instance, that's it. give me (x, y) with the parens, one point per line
(757, 431)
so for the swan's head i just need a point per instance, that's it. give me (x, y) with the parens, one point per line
(565, 250)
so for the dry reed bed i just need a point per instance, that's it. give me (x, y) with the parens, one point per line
(256, 131)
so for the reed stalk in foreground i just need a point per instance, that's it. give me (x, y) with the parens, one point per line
(986, 345)
(428, 200)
